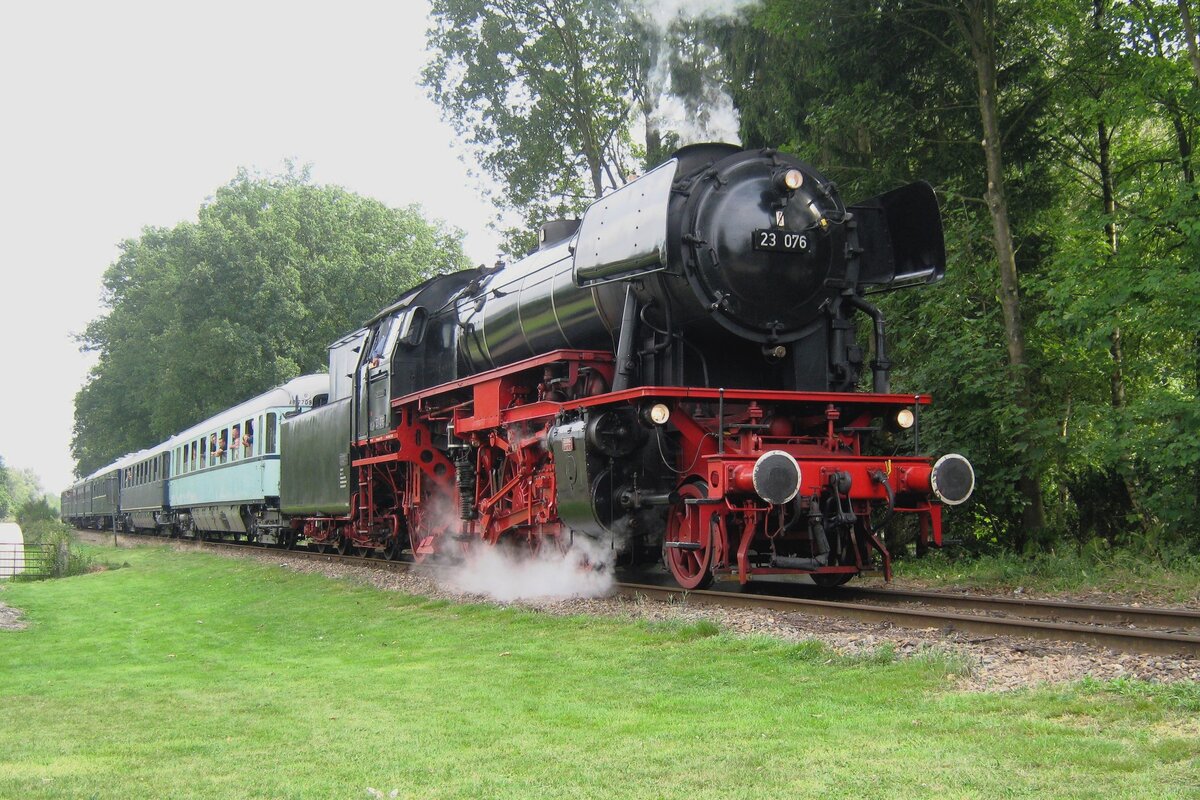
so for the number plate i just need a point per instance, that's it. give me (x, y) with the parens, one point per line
(779, 240)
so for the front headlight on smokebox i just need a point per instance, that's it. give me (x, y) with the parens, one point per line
(789, 180)
(658, 413)
(952, 479)
(905, 418)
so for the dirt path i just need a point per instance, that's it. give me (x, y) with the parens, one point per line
(10, 618)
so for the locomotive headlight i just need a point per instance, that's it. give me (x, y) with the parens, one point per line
(659, 413)
(905, 418)
(789, 180)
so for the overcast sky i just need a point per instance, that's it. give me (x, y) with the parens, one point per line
(120, 114)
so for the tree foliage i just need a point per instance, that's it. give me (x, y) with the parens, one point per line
(560, 101)
(1063, 348)
(18, 488)
(5, 497)
(1097, 106)
(205, 314)
(542, 93)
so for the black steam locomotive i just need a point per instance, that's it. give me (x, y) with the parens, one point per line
(675, 375)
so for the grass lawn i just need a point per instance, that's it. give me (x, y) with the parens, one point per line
(192, 675)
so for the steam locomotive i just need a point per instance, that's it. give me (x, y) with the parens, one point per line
(674, 376)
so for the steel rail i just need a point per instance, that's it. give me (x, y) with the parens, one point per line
(1058, 610)
(1136, 641)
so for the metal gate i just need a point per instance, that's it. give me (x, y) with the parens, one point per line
(28, 560)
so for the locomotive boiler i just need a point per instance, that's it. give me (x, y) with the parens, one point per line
(675, 376)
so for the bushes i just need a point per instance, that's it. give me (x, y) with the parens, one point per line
(1168, 572)
(41, 527)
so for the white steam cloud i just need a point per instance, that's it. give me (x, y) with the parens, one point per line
(705, 117)
(504, 574)
(664, 12)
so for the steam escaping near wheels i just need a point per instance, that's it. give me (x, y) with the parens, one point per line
(583, 569)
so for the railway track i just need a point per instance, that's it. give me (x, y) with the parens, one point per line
(1125, 639)
(1123, 628)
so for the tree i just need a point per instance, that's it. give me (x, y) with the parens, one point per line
(36, 511)
(5, 498)
(20, 486)
(881, 94)
(541, 90)
(208, 313)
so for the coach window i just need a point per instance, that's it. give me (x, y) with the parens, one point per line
(194, 447)
(259, 446)
(271, 433)
(248, 438)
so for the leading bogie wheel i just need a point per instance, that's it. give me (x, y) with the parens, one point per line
(688, 546)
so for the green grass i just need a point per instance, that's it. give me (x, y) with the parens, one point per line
(1120, 571)
(190, 675)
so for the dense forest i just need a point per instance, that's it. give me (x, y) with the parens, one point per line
(1062, 349)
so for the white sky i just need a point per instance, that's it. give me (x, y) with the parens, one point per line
(122, 114)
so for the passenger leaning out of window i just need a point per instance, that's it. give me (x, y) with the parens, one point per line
(237, 441)
(248, 438)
